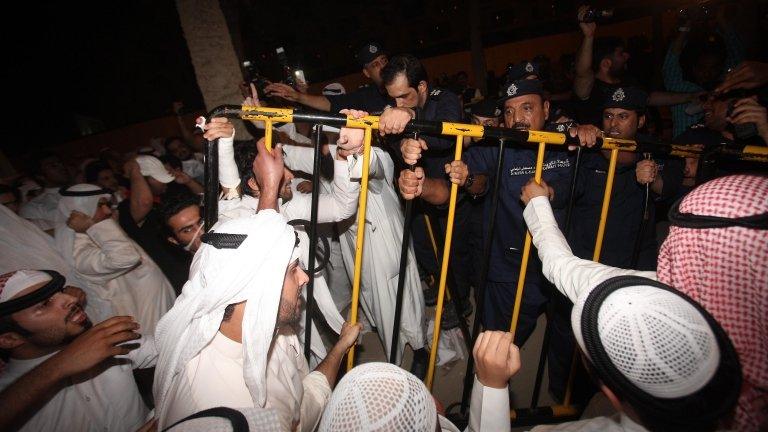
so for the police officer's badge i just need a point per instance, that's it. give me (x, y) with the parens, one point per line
(618, 95)
(561, 128)
(372, 49)
(435, 92)
(512, 90)
(529, 67)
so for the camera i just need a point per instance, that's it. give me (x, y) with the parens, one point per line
(252, 76)
(741, 131)
(592, 15)
(293, 77)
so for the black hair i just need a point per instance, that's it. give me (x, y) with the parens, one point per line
(4, 189)
(93, 169)
(245, 153)
(407, 65)
(171, 205)
(228, 311)
(603, 48)
(171, 160)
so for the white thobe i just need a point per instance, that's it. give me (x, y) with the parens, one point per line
(381, 258)
(215, 378)
(24, 246)
(42, 210)
(119, 271)
(616, 423)
(337, 205)
(105, 401)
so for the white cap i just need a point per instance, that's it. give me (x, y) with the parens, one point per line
(655, 338)
(334, 89)
(17, 281)
(379, 397)
(151, 166)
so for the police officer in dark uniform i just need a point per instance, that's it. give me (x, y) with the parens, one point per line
(405, 80)
(623, 114)
(369, 97)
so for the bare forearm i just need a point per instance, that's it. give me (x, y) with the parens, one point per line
(582, 83)
(668, 98)
(141, 196)
(331, 363)
(268, 199)
(317, 102)
(32, 390)
(435, 191)
(657, 185)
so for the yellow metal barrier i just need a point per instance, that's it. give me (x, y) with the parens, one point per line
(361, 209)
(444, 270)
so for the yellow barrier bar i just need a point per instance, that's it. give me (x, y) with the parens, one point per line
(365, 122)
(444, 270)
(268, 135)
(361, 208)
(571, 376)
(254, 113)
(606, 205)
(470, 130)
(526, 250)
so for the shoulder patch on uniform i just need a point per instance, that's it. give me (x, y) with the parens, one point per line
(435, 92)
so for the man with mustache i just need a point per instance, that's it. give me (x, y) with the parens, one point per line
(523, 108)
(61, 372)
(623, 116)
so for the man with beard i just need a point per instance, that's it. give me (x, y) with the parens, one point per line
(232, 342)
(370, 97)
(183, 220)
(60, 375)
(623, 116)
(191, 162)
(524, 108)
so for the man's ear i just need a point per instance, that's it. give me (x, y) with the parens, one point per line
(253, 185)
(173, 241)
(546, 110)
(422, 87)
(641, 121)
(366, 73)
(10, 340)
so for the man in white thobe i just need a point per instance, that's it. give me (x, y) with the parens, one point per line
(229, 339)
(114, 266)
(61, 375)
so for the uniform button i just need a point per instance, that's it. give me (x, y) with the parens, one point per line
(87, 398)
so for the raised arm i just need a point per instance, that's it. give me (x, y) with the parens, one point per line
(585, 76)
(141, 200)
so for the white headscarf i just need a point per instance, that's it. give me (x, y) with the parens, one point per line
(64, 235)
(24, 245)
(253, 272)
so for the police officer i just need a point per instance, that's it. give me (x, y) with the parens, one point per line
(370, 97)
(623, 113)
(406, 81)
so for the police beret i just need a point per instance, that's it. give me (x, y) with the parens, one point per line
(628, 98)
(521, 88)
(369, 52)
(523, 70)
(488, 108)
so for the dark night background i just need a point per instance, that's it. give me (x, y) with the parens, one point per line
(117, 63)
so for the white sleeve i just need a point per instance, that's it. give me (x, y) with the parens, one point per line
(570, 274)
(229, 176)
(110, 254)
(338, 205)
(299, 158)
(488, 409)
(145, 354)
(317, 391)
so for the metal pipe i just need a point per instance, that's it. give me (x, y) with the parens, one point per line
(526, 250)
(444, 269)
(643, 222)
(287, 115)
(469, 374)
(312, 240)
(402, 274)
(361, 209)
(211, 181)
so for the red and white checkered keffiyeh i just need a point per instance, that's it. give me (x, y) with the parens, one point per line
(726, 271)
